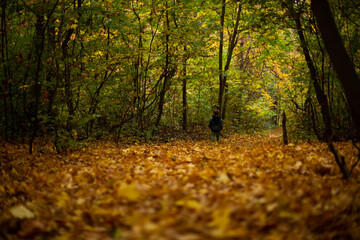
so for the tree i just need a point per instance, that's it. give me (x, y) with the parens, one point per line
(324, 105)
(223, 86)
(184, 89)
(168, 71)
(343, 66)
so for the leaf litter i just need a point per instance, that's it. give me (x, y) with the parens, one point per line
(245, 187)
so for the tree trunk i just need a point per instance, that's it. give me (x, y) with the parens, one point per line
(166, 71)
(340, 160)
(223, 88)
(4, 59)
(67, 82)
(221, 46)
(36, 88)
(324, 106)
(285, 137)
(343, 66)
(226, 98)
(184, 94)
(10, 120)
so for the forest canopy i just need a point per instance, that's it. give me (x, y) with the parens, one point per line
(91, 69)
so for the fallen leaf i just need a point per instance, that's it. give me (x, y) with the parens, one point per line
(192, 204)
(21, 212)
(223, 178)
(220, 221)
(128, 191)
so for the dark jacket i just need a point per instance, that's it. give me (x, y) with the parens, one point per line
(216, 124)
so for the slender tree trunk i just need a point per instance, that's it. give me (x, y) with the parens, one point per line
(223, 89)
(4, 59)
(340, 160)
(52, 76)
(67, 76)
(285, 137)
(9, 111)
(138, 76)
(166, 70)
(184, 94)
(343, 65)
(226, 99)
(54, 80)
(36, 89)
(221, 46)
(13, 119)
(324, 106)
(95, 97)
(313, 116)
(25, 112)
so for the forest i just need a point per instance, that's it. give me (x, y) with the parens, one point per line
(105, 106)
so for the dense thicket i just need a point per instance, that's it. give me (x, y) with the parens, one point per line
(75, 69)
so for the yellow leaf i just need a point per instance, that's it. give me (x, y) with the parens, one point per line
(80, 201)
(223, 177)
(221, 220)
(297, 165)
(99, 211)
(66, 236)
(21, 212)
(128, 191)
(63, 199)
(288, 214)
(192, 204)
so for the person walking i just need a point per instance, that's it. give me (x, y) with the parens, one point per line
(216, 125)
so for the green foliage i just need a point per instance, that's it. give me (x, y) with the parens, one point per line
(102, 66)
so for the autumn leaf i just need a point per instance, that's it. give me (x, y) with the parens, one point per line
(128, 191)
(246, 187)
(63, 199)
(191, 204)
(223, 178)
(220, 221)
(21, 212)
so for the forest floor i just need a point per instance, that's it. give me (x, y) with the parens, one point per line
(245, 187)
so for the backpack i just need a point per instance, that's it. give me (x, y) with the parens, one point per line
(216, 124)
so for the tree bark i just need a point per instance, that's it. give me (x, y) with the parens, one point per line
(4, 59)
(340, 160)
(67, 76)
(223, 88)
(184, 94)
(36, 88)
(10, 120)
(342, 63)
(167, 74)
(324, 105)
(285, 137)
(221, 49)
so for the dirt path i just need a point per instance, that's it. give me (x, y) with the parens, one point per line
(275, 133)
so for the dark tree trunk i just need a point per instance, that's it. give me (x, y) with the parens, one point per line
(226, 99)
(343, 66)
(184, 94)
(324, 106)
(10, 120)
(166, 71)
(223, 88)
(221, 49)
(36, 88)
(4, 59)
(67, 82)
(340, 160)
(285, 137)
